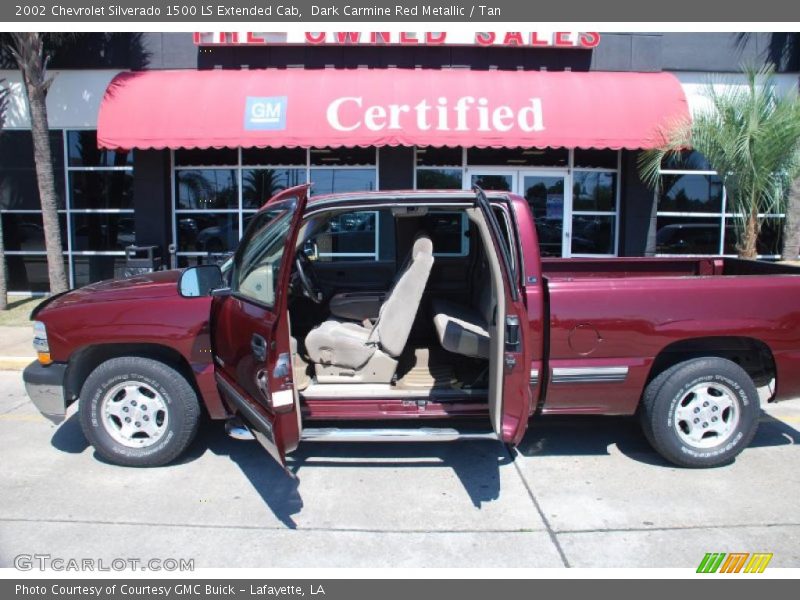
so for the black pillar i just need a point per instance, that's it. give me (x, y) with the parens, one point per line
(152, 200)
(396, 168)
(637, 211)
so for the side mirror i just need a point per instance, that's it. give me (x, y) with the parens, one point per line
(200, 281)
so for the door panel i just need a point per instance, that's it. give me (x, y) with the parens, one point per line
(510, 404)
(250, 328)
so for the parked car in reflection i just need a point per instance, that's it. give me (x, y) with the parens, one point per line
(688, 238)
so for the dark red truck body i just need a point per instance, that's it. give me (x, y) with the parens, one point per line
(597, 331)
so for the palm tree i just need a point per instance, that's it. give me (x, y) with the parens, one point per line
(3, 279)
(750, 136)
(27, 48)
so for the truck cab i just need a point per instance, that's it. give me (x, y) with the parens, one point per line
(302, 353)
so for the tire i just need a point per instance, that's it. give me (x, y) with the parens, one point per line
(159, 404)
(700, 413)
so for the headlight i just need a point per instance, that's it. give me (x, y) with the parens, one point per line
(40, 343)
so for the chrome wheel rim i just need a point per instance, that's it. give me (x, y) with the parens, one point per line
(134, 414)
(706, 415)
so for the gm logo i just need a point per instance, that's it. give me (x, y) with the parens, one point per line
(265, 113)
(735, 562)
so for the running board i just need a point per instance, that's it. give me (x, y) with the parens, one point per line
(421, 434)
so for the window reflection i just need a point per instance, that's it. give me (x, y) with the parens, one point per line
(207, 232)
(206, 188)
(690, 193)
(331, 181)
(259, 185)
(594, 191)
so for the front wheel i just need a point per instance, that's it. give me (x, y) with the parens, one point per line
(700, 413)
(138, 412)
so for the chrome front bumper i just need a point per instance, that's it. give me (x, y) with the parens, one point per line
(45, 388)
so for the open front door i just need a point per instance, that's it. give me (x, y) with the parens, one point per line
(250, 326)
(509, 402)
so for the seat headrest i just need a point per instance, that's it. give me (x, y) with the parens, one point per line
(422, 245)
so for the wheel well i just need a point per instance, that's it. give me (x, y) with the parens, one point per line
(753, 355)
(86, 360)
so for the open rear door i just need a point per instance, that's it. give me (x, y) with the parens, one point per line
(510, 406)
(250, 326)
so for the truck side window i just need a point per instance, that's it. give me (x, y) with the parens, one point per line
(258, 263)
(348, 236)
(448, 230)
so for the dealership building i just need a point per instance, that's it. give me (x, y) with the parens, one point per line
(174, 140)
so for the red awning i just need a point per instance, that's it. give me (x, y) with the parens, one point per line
(388, 107)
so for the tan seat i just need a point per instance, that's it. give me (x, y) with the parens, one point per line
(464, 329)
(346, 351)
(461, 329)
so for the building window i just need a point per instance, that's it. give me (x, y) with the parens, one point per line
(95, 200)
(218, 191)
(21, 211)
(518, 157)
(595, 202)
(574, 194)
(439, 168)
(99, 208)
(694, 217)
(335, 170)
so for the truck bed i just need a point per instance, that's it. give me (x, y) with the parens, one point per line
(612, 317)
(581, 268)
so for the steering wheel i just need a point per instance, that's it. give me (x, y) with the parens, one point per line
(308, 278)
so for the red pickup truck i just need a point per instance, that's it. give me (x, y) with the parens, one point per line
(450, 327)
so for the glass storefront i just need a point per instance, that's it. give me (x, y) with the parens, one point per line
(217, 192)
(573, 194)
(95, 199)
(695, 218)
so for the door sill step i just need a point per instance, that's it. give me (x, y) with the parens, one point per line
(421, 434)
(237, 430)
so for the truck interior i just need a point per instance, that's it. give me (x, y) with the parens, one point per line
(396, 303)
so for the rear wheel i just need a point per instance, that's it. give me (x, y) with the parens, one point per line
(138, 412)
(700, 413)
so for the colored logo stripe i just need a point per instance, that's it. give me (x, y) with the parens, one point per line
(711, 562)
(734, 562)
(758, 562)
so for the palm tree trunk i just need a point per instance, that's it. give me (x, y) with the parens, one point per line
(791, 226)
(3, 280)
(29, 53)
(747, 249)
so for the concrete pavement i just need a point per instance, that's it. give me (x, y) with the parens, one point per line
(16, 351)
(581, 492)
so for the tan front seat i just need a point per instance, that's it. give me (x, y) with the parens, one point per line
(344, 351)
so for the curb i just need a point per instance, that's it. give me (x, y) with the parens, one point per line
(15, 363)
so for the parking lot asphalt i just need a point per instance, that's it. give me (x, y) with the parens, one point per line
(579, 492)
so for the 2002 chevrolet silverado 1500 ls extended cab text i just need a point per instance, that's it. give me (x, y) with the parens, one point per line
(453, 327)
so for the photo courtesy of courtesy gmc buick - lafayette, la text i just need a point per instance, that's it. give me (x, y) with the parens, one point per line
(454, 329)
